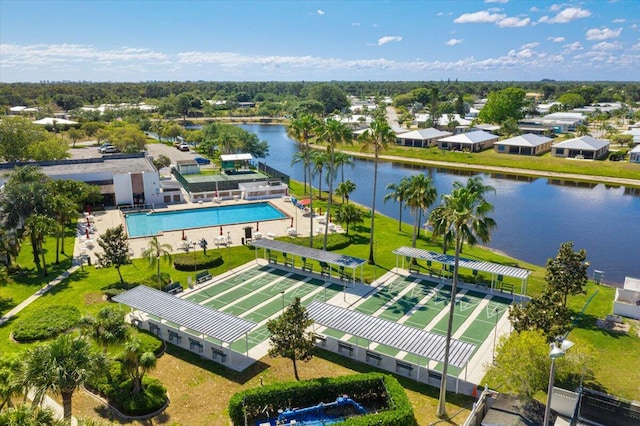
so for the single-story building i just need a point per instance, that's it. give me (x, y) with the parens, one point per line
(584, 147)
(188, 167)
(487, 127)
(527, 144)
(634, 154)
(635, 132)
(421, 138)
(472, 141)
(627, 301)
(124, 179)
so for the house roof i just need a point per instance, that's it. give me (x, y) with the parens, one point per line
(423, 134)
(236, 157)
(585, 143)
(528, 140)
(445, 119)
(477, 136)
(50, 121)
(636, 149)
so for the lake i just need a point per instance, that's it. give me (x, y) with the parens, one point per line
(534, 215)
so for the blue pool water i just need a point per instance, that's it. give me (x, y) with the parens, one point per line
(144, 223)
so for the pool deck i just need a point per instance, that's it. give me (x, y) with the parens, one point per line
(103, 220)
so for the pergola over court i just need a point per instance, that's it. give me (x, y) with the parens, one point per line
(174, 312)
(342, 261)
(497, 271)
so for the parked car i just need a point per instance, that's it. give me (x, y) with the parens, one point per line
(202, 160)
(107, 149)
(183, 146)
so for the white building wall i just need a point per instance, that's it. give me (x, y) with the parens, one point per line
(122, 189)
(151, 182)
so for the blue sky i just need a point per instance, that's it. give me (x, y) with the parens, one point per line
(319, 40)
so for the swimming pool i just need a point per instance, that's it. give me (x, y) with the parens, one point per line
(144, 224)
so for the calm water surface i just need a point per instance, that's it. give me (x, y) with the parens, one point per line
(534, 216)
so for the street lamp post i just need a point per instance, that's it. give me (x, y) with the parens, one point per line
(282, 293)
(558, 349)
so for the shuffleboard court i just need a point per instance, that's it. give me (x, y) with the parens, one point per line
(382, 296)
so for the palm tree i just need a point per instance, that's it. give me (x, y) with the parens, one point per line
(137, 363)
(319, 159)
(349, 214)
(27, 415)
(25, 193)
(108, 327)
(154, 252)
(420, 195)
(376, 139)
(9, 245)
(37, 227)
(63, 209)
(333, 132)
(301, 129)
(343, 159)
(398, 193)
(10, 385)
(464, 211)
(61, 366)
(345, 188)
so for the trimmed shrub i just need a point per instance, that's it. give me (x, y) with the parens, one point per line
(382, 393)
(117, 288)
(334, 241)
(191, 262)
(46, 323)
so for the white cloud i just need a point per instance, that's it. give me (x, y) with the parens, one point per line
(567, 15)
(454, 41)
(514, 22)
(534, 9)
(388, 39)
(576, 45)
(636, 46)
(530, 45)
(439, 13)
(619, 21)
(605, 45)
(355, 24)
(496, 1)
(602, 34)
(320, 12)
(479, 17)
(525, 53)
(555, 7)
(556, 39)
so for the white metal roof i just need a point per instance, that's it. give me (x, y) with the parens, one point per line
(236, 157)
(202, 319)
(399, 336)
(310, 253)
(470, 137)
(528, 139)
(584, 143)
(423, 134)
(493, 268)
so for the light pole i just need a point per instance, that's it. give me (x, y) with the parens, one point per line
(282, 293)
(558, 349)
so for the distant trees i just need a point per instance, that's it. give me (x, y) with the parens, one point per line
(21, 140)
(330, 96)
(572, 100)
(230, 139)
(503, 104)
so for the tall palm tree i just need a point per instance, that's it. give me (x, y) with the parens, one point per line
(25, 193)
(333, 132)
(343, 159)
(345, 188)
(9, 245)
(37, 227)
(319, 160)
(64, 209)
(376, 139)
(61, 366)
(156, 251)
(301, 129)
(398, 193)
(420, 194)
(464, 211)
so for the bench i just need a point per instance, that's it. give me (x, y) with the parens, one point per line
(273, 258)
(373, 358)
(217, 353)
(325, 269)
(406, 367)
(414, 268)
(173, 288)
(507, 288)
(345, 348)
(307, 266)
(203, 276)
(289, 262)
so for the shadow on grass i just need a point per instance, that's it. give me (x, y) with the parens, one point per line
(590, 322)
(421, 388)
(240, 377)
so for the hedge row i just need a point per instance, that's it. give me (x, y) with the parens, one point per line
(366, 389)
(197, 261)
(46, 323)
(334, 241)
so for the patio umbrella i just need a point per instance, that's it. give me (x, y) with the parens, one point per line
(304, 202)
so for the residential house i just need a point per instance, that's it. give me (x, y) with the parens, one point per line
(472, 141)
(634, 154)
(584, 147)
(635, 132)
(527, 144)
(422, 138)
